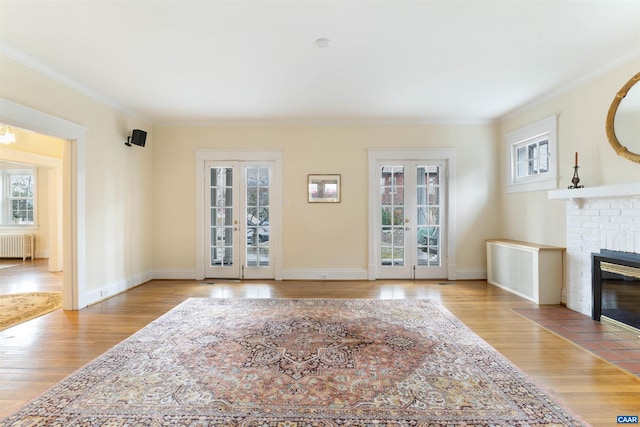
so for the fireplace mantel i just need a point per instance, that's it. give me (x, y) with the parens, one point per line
(604, 191)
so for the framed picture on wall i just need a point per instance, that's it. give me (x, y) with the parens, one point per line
(323, 188)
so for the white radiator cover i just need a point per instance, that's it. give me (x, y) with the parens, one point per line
(532, 271)
(16, 246)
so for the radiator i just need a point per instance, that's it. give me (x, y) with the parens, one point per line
(16, 246)
(532, 271)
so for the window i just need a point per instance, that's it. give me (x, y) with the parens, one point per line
(532, 158)
(18, 196)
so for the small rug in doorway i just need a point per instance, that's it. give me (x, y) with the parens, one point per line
(299, 362)
(18, 308)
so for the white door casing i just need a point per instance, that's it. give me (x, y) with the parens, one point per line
(237, 220)
(73, 182)
(391, 238)
(246, 157)
(412, 222)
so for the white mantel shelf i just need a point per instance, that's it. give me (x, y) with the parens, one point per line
(631, 189)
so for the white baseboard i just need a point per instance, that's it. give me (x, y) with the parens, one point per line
(116, 288)
(123, 285)
(337, 274)
(471, 274)
(295, 274)
(325, 274)
(174, 274)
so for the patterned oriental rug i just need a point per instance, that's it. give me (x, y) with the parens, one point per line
(18, 308)
(299, 362)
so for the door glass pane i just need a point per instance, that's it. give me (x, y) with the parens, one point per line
(398, 236)
(221, 217)
(393, 215)
(257, 213)
(428, 215)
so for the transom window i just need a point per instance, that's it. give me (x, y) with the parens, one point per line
(532, 157)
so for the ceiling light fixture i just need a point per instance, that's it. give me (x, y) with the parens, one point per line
(322, 42)
(6, 135)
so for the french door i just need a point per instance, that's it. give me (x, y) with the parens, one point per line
(237, 220)
(411, 238)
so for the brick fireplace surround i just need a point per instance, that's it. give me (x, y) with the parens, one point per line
(606, 217)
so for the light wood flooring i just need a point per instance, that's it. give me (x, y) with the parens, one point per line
(41, 352)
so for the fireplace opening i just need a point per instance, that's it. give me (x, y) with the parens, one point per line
(616, 288)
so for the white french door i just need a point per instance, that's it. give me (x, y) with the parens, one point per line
(411, 239)
(237, 220)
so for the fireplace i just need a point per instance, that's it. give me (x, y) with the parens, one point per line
(616, 288)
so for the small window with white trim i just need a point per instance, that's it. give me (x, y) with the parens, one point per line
(532, 157)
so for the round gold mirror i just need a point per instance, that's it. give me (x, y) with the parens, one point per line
(623, 121)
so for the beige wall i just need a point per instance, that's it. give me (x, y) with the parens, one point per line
(140, 202)
(582, 111)
(324, 236)
(118, 178)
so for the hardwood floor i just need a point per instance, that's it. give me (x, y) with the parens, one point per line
(28, 276)
(39, 353)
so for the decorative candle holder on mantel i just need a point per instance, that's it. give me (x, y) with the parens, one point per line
(576, 179)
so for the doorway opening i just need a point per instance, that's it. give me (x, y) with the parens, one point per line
(238, 214)
(238, 206)
(71, 183)
(411, 214)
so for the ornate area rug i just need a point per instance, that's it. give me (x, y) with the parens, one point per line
(305, 362)
(18, 308)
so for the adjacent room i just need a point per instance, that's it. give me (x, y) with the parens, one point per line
(320, 212)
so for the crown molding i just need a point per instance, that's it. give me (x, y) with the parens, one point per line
(29, 62)
(572, 85)
(54, 75)
(282, 122)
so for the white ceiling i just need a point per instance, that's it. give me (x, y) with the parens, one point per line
(253, 61)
